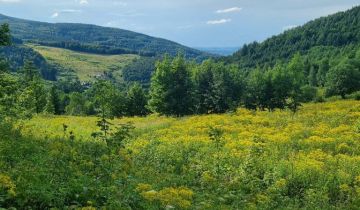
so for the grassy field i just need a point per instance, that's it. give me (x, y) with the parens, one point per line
(86, 66)
(240, 160)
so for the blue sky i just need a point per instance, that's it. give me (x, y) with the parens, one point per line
(195, 23)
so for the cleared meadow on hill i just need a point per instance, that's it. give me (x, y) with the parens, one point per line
(85, 65)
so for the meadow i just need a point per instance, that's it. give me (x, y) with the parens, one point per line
(85, 65)
(240, 160)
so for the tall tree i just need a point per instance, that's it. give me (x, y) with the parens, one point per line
(170, 91)
(282, 84)
(205, 94)
(256, 90)
(296, 73)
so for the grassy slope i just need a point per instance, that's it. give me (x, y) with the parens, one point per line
(267, 159)
(86, 66)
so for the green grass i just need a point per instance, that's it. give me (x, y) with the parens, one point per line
(86, 66)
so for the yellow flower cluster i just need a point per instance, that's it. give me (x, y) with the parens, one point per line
(177, 197)
(7, 187)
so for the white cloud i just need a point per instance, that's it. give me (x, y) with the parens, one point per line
(216, 22)
(285, 28)
(65, 11)
(55, 15)
(228, 10)
(9, 1)
(83, 2)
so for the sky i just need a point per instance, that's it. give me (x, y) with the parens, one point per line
(195, 23)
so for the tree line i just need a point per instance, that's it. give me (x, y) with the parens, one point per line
(181, 87)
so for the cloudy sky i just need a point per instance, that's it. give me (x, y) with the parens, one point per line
(196, 23)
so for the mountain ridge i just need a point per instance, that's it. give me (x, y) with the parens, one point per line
(93, 38)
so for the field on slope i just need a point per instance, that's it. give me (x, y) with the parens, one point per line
(246, 159)
(86, 66)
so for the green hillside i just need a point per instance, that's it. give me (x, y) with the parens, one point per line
(339, 30)
(84, 65)
(17, 54)
(94, 39)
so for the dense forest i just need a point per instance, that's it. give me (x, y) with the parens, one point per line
(338, 30)
(275, 126)
(95, 39)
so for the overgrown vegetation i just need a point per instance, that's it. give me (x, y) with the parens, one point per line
(278, 135)
(241, 160)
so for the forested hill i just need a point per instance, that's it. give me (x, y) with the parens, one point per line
(94, 39)
(338, 30)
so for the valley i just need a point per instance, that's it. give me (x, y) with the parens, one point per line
(95, 117)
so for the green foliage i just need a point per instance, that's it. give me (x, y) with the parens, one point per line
(5, 36)
(18, 55)
(279, 87)
(323, 70)
(105, 94)
(170, 92)
(136, 101)
(309, 93)
(217, 88)
(9, 92)
(78, 105)
(343, 79)
(118, 138)
(29, 71)
(58, 173)
(140, 70)
(336, 30)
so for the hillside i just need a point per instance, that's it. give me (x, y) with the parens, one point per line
(339, 30)
(94, 39)
(86, 66)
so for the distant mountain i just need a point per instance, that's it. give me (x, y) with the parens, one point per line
(221, 51)
(111, 48)
(335, 31)
(94, 39)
